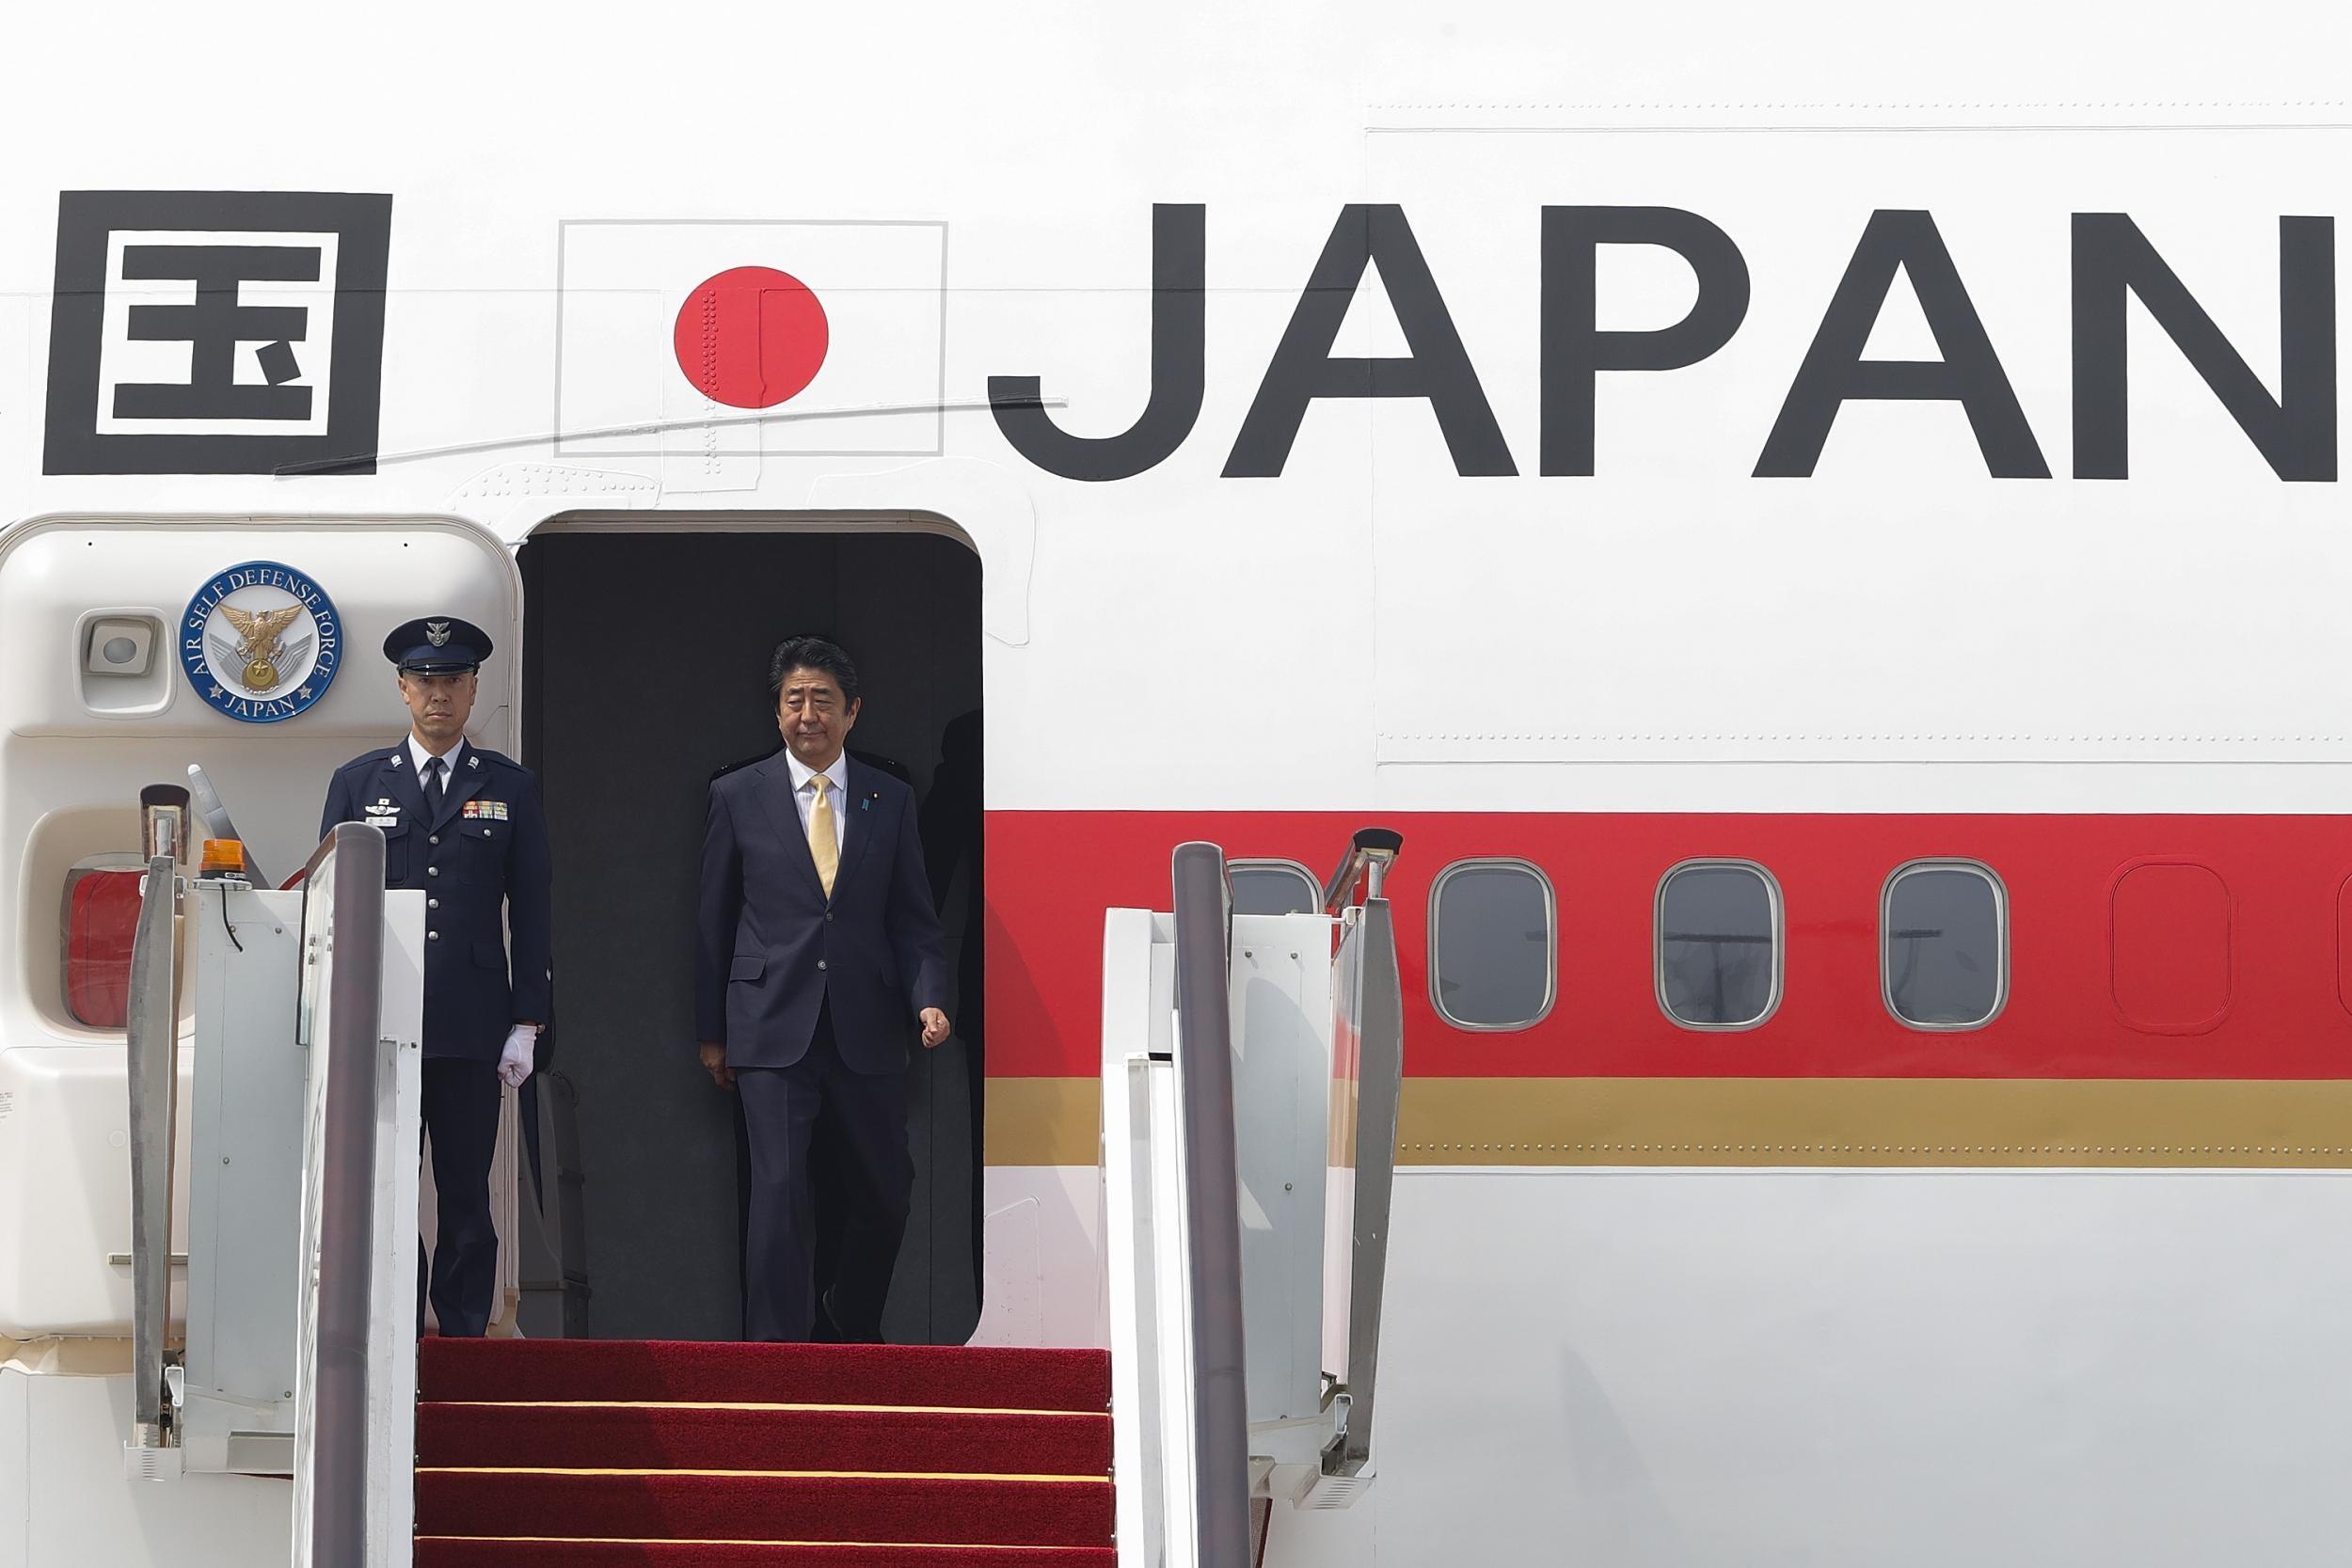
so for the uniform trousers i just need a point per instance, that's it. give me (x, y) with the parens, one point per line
(866, 1115)
(461, 1101)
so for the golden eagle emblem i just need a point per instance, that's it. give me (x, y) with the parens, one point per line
(261, 653)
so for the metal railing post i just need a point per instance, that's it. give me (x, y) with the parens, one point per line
(1204, 1080)
(339, 1494)
(152, 1030)
(1380, 1008)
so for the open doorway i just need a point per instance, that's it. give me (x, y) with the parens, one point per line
(645, 674)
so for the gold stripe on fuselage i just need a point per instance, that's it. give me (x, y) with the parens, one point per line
(2122, 1123)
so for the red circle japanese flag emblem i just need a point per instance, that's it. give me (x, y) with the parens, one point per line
(750, 337)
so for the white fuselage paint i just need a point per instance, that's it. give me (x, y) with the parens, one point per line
(1653, 1369)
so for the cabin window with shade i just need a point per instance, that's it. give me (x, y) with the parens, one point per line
(101, 914)
(1274, 887)
(1944, 945)
(1493, 944)
(1718, 944)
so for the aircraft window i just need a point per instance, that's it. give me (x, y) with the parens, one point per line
(1274, 887)
(1944, 945)
(1493, 944)
(101, 911)
(1719, 947)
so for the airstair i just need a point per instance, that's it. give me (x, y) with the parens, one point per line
(1251, 1066)
(298, 1354)
(1250, 1071)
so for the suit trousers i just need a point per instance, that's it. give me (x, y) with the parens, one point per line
(866, 1117)
(461, 1101)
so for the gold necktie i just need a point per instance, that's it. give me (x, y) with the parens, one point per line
(822, 846)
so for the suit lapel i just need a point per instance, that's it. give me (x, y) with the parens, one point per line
(776, 793)
(463, 786)
(860, 819)
(398, 781)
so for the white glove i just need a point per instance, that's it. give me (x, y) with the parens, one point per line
(514, 1062)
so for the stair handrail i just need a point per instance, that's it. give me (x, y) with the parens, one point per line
(151, 1035)
(347, 871)
(1204, 1085)
(152, 1062)
(1370, 854)
(1375, 1005)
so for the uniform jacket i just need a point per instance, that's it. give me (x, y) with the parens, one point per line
(772, 950)
(484, 868)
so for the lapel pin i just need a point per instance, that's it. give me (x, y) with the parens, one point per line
(473, 762)
(395, 760)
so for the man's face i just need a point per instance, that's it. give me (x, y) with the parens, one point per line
(439, 706)
(814, 718)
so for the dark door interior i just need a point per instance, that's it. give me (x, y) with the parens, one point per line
(645, 672)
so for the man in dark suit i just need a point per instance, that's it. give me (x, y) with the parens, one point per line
(464, 826)
(954, 828)
(817, 954)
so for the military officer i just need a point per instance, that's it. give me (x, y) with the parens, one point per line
(464, 826)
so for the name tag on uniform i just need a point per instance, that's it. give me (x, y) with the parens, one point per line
(494, 810)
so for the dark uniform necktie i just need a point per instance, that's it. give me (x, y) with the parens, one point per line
(433, 794)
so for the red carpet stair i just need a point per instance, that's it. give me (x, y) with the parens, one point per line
(597, 1453)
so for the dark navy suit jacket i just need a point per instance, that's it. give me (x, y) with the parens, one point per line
(484, 877)
(772, 950)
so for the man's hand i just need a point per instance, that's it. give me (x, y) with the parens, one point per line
(515, 1060)
(715, 1064)
(934, 1027)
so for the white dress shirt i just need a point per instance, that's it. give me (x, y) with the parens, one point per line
(804, 794)
(419, 756)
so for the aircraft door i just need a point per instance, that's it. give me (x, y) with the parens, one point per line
(647, 677)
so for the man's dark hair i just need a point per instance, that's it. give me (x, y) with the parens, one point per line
(811, 653)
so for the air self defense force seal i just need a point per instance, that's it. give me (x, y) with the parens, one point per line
(261, 643)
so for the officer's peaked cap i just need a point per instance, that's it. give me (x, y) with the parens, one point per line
(436, 645)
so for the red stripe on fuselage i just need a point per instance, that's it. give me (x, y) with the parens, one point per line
(1051, 875)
